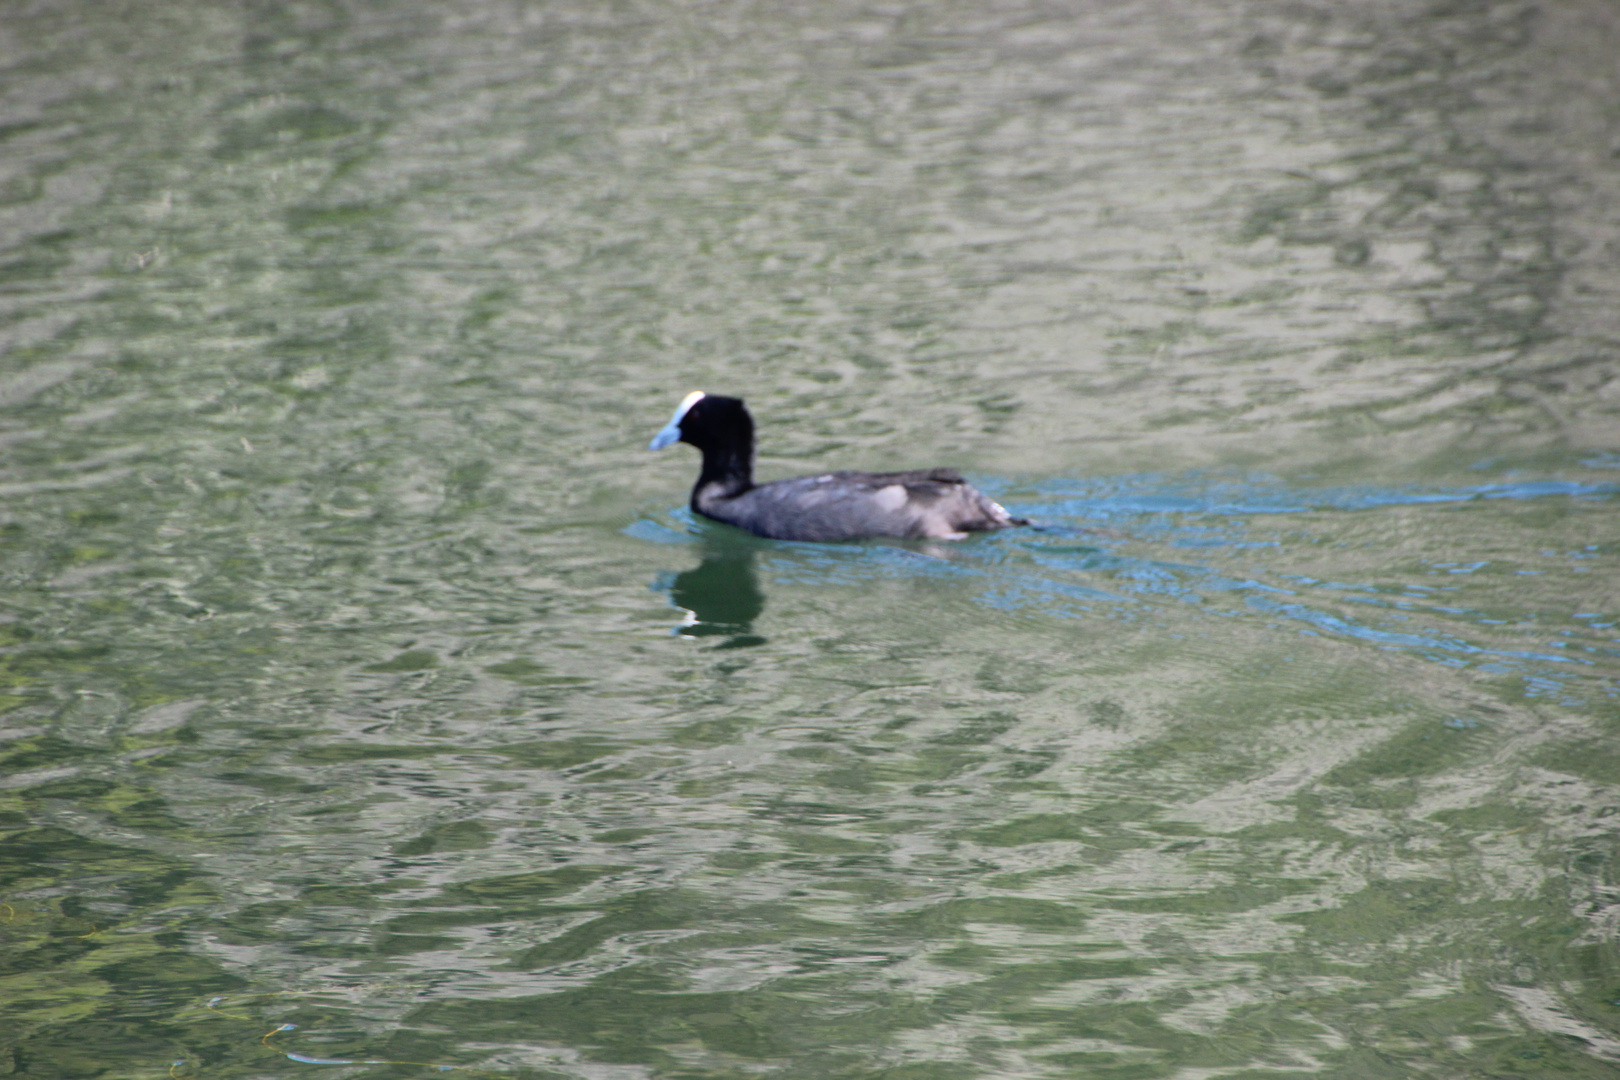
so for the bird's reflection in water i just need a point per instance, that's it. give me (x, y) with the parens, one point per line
(721, 596)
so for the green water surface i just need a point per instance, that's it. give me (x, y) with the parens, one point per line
(372, 705)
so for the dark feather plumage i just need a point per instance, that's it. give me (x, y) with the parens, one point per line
(924, 503)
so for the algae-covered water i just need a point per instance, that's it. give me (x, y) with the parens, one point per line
(372, 705)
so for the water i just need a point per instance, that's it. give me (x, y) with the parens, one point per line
(370, 698)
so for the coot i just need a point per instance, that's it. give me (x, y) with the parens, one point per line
(926, 503)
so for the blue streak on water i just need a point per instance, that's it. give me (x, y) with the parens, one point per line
(1338, 625)
(653, 531)
(1149, 494)
(1177, 510)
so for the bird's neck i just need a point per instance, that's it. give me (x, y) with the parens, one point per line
(728, 470)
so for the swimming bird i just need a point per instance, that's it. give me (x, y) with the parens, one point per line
(927, 503)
